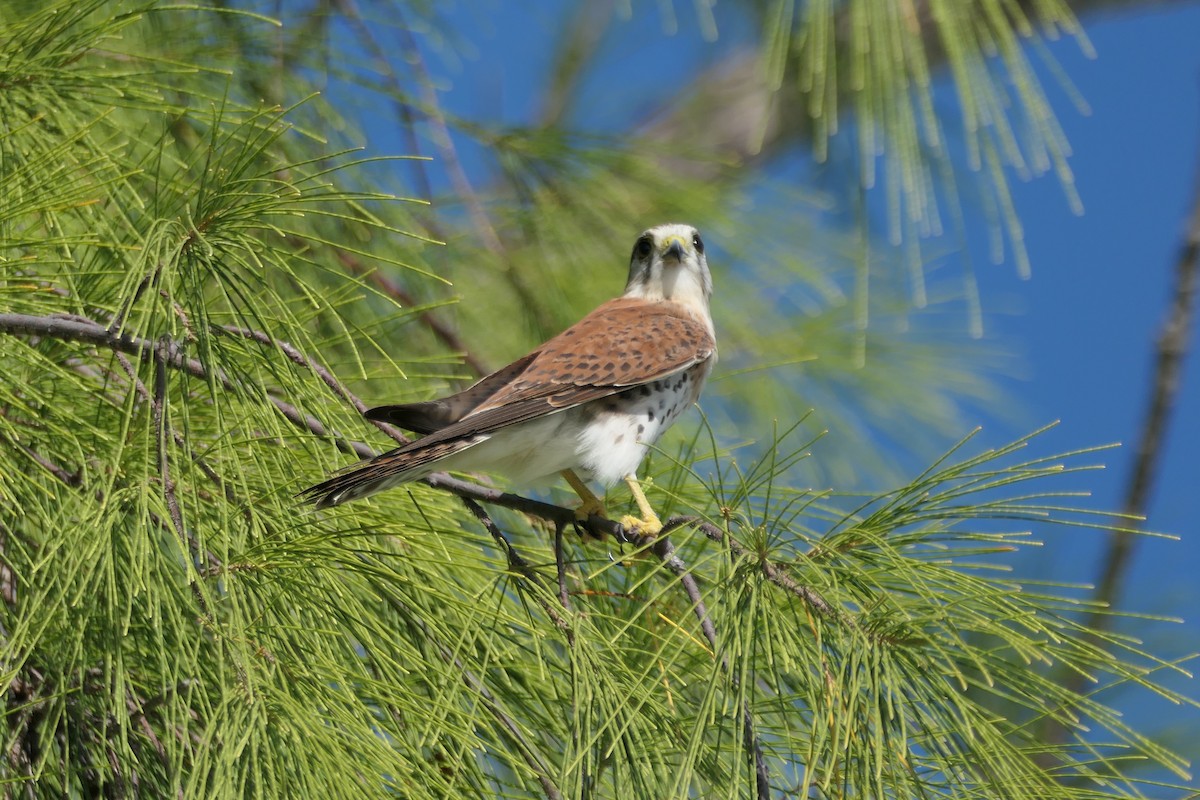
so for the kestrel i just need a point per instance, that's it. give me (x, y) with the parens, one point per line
(588, 404)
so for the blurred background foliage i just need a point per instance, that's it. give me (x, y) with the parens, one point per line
(204, 182)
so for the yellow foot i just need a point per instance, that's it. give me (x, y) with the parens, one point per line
(591, 503)
(649, 524)
(586, 510)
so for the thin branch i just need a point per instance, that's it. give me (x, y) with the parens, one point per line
(72, 479)
(773, 572)
(162, 427)
(8, 579)
(296, 357)
(430, 320)
(518, 564)
(91, 332)
(665, 550)
(560, 567)
(528, 754)
(445, 145)
(230, 496)
(1171, 350)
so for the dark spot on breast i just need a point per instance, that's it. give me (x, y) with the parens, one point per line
(649, 415)
(645, 391)
(641, 428)
(620, 438)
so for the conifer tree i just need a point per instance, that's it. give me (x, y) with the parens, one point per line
(202, 275)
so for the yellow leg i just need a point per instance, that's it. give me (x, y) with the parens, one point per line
(649, 524)
(591, 503)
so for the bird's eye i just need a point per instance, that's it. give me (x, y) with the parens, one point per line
(643, 247)
(698, 243)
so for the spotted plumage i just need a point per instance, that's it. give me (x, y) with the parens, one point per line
(591, 401)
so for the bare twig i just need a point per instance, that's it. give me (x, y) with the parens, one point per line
(1172, 347)
(429, 319)
(72, 479)
(8, 580)
(91, 332)
(561, 567)
(517, 563)
(196, 458)
(445, 145)
(773, 572)
(162, 426)
(526, 750)
(1170, 353)
(665, 550)
(298, 358)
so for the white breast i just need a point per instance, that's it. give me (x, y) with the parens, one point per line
(623, 428)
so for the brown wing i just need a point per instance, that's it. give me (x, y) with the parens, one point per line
(623, 343)
(434, 415)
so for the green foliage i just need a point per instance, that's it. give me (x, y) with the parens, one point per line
(189, 271)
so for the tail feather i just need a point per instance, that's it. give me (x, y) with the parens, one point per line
(422, 418)
(402, 465)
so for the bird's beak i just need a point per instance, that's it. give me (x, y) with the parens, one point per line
(674, 249)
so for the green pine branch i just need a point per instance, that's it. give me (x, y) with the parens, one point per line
(190, 299)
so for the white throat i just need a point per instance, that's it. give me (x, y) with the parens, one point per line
(676, 284)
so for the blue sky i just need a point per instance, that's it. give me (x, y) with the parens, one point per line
(1086, 319)
(1097, 297)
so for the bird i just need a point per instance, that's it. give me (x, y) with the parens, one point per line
(588, 404)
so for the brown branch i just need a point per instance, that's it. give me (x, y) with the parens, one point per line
(72, 479)
(1172, 348)
(430, 320)
(560, 567)
(1170, 352)
(528, 754)
(773, 572)
(665, 550)
(91, 332)
(230, 496)
(8, 580)
(296, 357)
(162, 428)
(518, 564)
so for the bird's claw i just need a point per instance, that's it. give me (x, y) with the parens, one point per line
(648, 527)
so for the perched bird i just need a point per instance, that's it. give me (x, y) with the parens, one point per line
(588, 404)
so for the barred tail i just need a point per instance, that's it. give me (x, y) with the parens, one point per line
(358, 482)
(408, 463)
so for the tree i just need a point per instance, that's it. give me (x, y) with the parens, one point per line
(201, 275)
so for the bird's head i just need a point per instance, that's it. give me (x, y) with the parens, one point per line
(668, 263)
